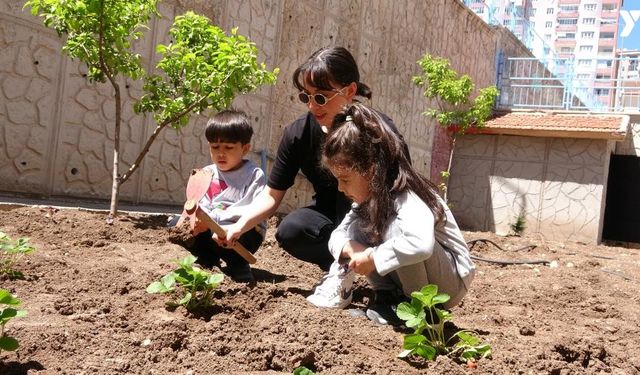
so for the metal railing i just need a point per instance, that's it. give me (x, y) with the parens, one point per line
(590, 84)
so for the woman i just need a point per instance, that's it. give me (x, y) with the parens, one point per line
(327, 82)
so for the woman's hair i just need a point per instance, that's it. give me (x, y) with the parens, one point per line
(229, 125)
(330, 65)
(362, 141)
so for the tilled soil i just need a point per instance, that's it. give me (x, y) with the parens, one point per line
(89, 313)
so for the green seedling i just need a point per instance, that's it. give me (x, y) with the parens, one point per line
(519, 226)
(197, 285)
(428, 339)
(303, 371)
(8, 343)
(11, 252)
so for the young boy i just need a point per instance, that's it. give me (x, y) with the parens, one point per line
(236, 181)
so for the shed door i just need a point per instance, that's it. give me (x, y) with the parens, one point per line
(622, 212)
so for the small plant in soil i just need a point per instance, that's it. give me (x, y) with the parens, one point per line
(7, 312)
(195, 285)
(303, 371)
(518, 226)
(11, 252)
(424, 315)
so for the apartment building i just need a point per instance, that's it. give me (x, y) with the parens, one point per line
(576, 39)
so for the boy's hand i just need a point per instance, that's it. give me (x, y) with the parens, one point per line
(224, 242)
(362, 262)
(199, 226)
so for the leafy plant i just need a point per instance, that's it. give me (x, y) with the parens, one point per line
(303, 371)
(456, 112)
(7, 313)
(202, 68)
(519, 226)
(197, 285)
(11, 252)
(428, 339)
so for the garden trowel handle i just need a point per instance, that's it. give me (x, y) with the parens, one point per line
(220, 232)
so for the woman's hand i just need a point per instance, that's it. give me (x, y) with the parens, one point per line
(362, 262)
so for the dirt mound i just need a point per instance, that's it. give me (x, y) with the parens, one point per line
(88, 312)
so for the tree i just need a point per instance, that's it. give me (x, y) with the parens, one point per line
(203, 68)
(455, 113)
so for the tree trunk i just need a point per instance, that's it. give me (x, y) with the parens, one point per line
(115, 187)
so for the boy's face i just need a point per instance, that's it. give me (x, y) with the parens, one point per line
(228, 156)
(351, 183)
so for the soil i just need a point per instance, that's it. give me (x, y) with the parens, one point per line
(89, 313)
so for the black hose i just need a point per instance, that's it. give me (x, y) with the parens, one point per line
(502, 261)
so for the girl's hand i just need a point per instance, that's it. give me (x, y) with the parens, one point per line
(352, 248)
(362, 262)
(234, 231)
(222, 241)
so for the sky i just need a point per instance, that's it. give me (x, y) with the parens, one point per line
(630, 9)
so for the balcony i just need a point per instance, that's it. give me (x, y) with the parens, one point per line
(564, 15)
(606, 43)
(617, 2)
(569, 2)
(564, 43)
(608, 28)
(567, 28)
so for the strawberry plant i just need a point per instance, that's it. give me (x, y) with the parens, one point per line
(197, 285)
(7, 313)
(11, 252)
(428, 339)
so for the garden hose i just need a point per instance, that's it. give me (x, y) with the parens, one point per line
(502, 261)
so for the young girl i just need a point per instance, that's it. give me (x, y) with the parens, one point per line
(399, 232)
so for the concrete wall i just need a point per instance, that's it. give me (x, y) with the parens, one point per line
(56, 129)
(557, 184)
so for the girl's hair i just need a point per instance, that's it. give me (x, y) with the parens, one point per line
(330, 65)
(229, 125)
(362, 141)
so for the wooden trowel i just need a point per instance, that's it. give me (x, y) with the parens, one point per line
(197, 187)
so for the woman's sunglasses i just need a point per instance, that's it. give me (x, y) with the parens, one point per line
(319, 99)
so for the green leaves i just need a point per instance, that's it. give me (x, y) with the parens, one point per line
(98, 32)
(425, 316)
(195, 284)
(11, 252)
(7, 313)
(203, 68)
(452, 93)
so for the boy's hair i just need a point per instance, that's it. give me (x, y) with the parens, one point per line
(363, 142)
(229, 125)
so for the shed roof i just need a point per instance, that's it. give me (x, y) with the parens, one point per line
(560, 125)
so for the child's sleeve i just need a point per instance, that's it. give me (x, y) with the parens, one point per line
(410, 237)
(342, 234)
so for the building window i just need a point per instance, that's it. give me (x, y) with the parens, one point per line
(601, 92)
(567, 36)
(606, 50)
(607, 21)
(582, 76)
(566, 50)
(549, 10)
(586, 48)
(609, 7)
(532, 12)
(548, 24)
(607, 35)
(568, 21)
(590, 7)
(584, 62)
(589, 21)
(506, 22)
(587, 34)
(569, 8)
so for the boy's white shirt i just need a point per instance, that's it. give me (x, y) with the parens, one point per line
(243, 186)
(409, 238)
